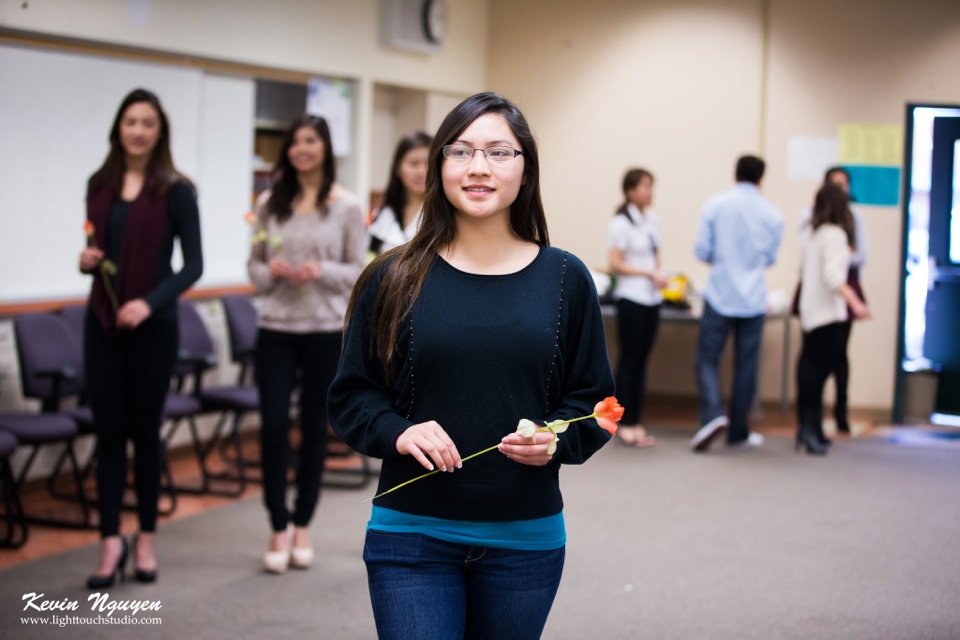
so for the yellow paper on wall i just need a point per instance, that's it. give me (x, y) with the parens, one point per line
(871, 144)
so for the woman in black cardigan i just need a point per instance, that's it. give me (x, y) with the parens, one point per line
(137, 203)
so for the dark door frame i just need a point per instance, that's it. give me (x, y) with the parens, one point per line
(899, 401)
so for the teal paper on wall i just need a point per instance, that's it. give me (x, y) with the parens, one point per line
(877, 186)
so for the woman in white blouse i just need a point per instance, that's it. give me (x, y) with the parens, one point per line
(841, 368)
(824, 298)
(398, 219)
(633, 238)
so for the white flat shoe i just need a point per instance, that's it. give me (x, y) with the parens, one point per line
(276, 561)
(301, 557)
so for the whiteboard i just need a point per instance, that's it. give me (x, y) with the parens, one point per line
(56, 110)
(225, 177)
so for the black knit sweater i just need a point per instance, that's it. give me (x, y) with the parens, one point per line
(478, 354)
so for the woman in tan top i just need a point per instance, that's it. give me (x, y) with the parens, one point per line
(824, 298)
(307, 253)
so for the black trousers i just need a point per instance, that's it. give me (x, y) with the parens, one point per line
(637, 328)
(841, 376)
(841, 368)
(279, 358)
(128, 376)
(818, 357)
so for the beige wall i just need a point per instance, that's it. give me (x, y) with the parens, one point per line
(323, 37)
(835, 62)
(679, 87)
(315, 36)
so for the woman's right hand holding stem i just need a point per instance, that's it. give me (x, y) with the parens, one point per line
(90, 259)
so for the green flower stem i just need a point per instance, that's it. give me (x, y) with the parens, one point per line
(92, 242)
(480, 453)
(109, 287)
(563, 422)
(403, 484)
(474, 455)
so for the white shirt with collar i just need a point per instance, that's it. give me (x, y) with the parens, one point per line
(638, 237)
(386, 229)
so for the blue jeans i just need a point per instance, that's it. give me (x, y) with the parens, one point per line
(747, 334)
(425, 588)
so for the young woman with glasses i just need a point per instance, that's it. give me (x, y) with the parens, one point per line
(451, 339)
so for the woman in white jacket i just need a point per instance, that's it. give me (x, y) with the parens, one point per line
(824, 298)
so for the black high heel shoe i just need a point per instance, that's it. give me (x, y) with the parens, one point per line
(810, 442)
(142, 575)
(103, 582)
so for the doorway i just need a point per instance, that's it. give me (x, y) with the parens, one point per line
(928, 339)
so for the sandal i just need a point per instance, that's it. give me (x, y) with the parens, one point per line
(642, 439)
(627, 436)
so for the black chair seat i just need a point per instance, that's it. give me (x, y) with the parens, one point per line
(180, 406)
(231, 399)
(8, 444)
(39, 428)
(83, 416)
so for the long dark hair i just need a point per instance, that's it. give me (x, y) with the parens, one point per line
(630, 181)
(395, 196)
(285, 186)
(407, 266)
(832, 206)
(161, 173)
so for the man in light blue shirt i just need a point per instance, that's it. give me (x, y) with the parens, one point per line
(739, 234)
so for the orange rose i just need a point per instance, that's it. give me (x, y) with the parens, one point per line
(88, 228)
(249, 217)
(608, 413)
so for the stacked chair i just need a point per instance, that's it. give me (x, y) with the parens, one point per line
(50, 352)
(232, 402)
(50, 368)
(241, 316)
(16, 531)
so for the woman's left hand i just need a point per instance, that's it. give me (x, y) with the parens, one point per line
(532, 451)
(132, 313)
(660, 281)
(309, 270)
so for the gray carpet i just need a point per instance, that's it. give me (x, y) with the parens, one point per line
(662, 544)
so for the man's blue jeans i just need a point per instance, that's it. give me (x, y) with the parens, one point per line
(747, 335)
(427, 589)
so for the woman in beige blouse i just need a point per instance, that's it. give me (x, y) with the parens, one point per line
(825, 297)
(307, 253)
